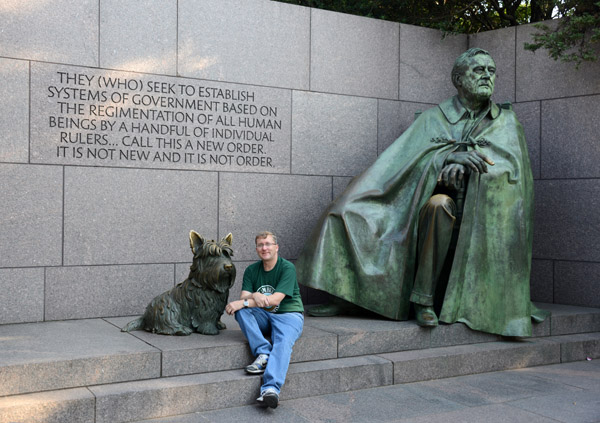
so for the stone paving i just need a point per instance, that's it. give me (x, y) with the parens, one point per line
(568, 393)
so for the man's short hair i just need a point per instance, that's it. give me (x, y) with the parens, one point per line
(462, 62)
(265, 234)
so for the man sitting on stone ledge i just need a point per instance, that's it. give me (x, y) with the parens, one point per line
(269, 305)
(446, 209)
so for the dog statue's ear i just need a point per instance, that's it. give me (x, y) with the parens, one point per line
(196, 242)
(228, 239)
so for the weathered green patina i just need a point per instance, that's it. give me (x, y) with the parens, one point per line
(197, 303)
(363, 250)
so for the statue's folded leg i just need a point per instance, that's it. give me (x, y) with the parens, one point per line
(436, 222)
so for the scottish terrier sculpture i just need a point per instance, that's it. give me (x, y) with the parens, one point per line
(197, 303)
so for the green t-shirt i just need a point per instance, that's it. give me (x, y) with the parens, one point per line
(281, 278)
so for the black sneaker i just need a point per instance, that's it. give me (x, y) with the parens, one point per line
(268, 398)
(259, 365)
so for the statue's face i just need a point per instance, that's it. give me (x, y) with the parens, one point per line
(478, 80)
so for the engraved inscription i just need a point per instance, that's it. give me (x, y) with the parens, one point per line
(97, 117)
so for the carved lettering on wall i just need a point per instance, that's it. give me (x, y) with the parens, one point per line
(97, 117)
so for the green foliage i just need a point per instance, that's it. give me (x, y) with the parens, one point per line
(573, 39)
(457, 16)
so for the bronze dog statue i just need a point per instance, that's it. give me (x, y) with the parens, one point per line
(197, 303)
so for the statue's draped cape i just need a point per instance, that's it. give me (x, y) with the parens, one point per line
(363, 249)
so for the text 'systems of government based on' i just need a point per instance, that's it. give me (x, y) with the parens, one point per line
(116, 119)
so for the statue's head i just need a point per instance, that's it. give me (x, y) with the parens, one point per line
(474, 75)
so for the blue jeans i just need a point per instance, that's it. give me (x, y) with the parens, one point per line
(284, 329)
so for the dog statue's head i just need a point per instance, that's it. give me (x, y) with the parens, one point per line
(212, 267)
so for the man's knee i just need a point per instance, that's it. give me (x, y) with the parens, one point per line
(441, 201)
(242, 314)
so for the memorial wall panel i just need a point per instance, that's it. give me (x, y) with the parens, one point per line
(126, 216)
(258, 42)
(353, 55)
(82, 292)
(83, 116)
(333, 134)
(567, 222)
(14, 111)
(574, 283)
(63, 31)
(31, 215)
(22, 294)
(149, 47)
(570, 145)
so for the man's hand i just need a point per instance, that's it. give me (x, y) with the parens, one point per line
(234, 306)
(472, 160)
(452, 176)
(261, 299)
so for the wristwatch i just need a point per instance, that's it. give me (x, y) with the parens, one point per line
(246, 304)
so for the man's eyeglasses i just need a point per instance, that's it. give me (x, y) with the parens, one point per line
(266, 244)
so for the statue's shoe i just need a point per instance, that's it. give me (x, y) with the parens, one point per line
(538, 315)
(425, 316)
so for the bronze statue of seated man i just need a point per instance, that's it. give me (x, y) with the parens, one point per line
(444, 216)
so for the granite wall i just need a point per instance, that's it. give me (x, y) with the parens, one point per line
(124, 125)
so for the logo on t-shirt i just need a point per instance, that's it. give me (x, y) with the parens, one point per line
(268, 290)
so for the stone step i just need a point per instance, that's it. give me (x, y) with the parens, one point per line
(179, 395)
(66, 405)
(188, 394)
(460, 360)
(47, 356)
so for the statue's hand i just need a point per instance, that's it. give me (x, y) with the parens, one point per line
(452, 176)
(472, 160)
